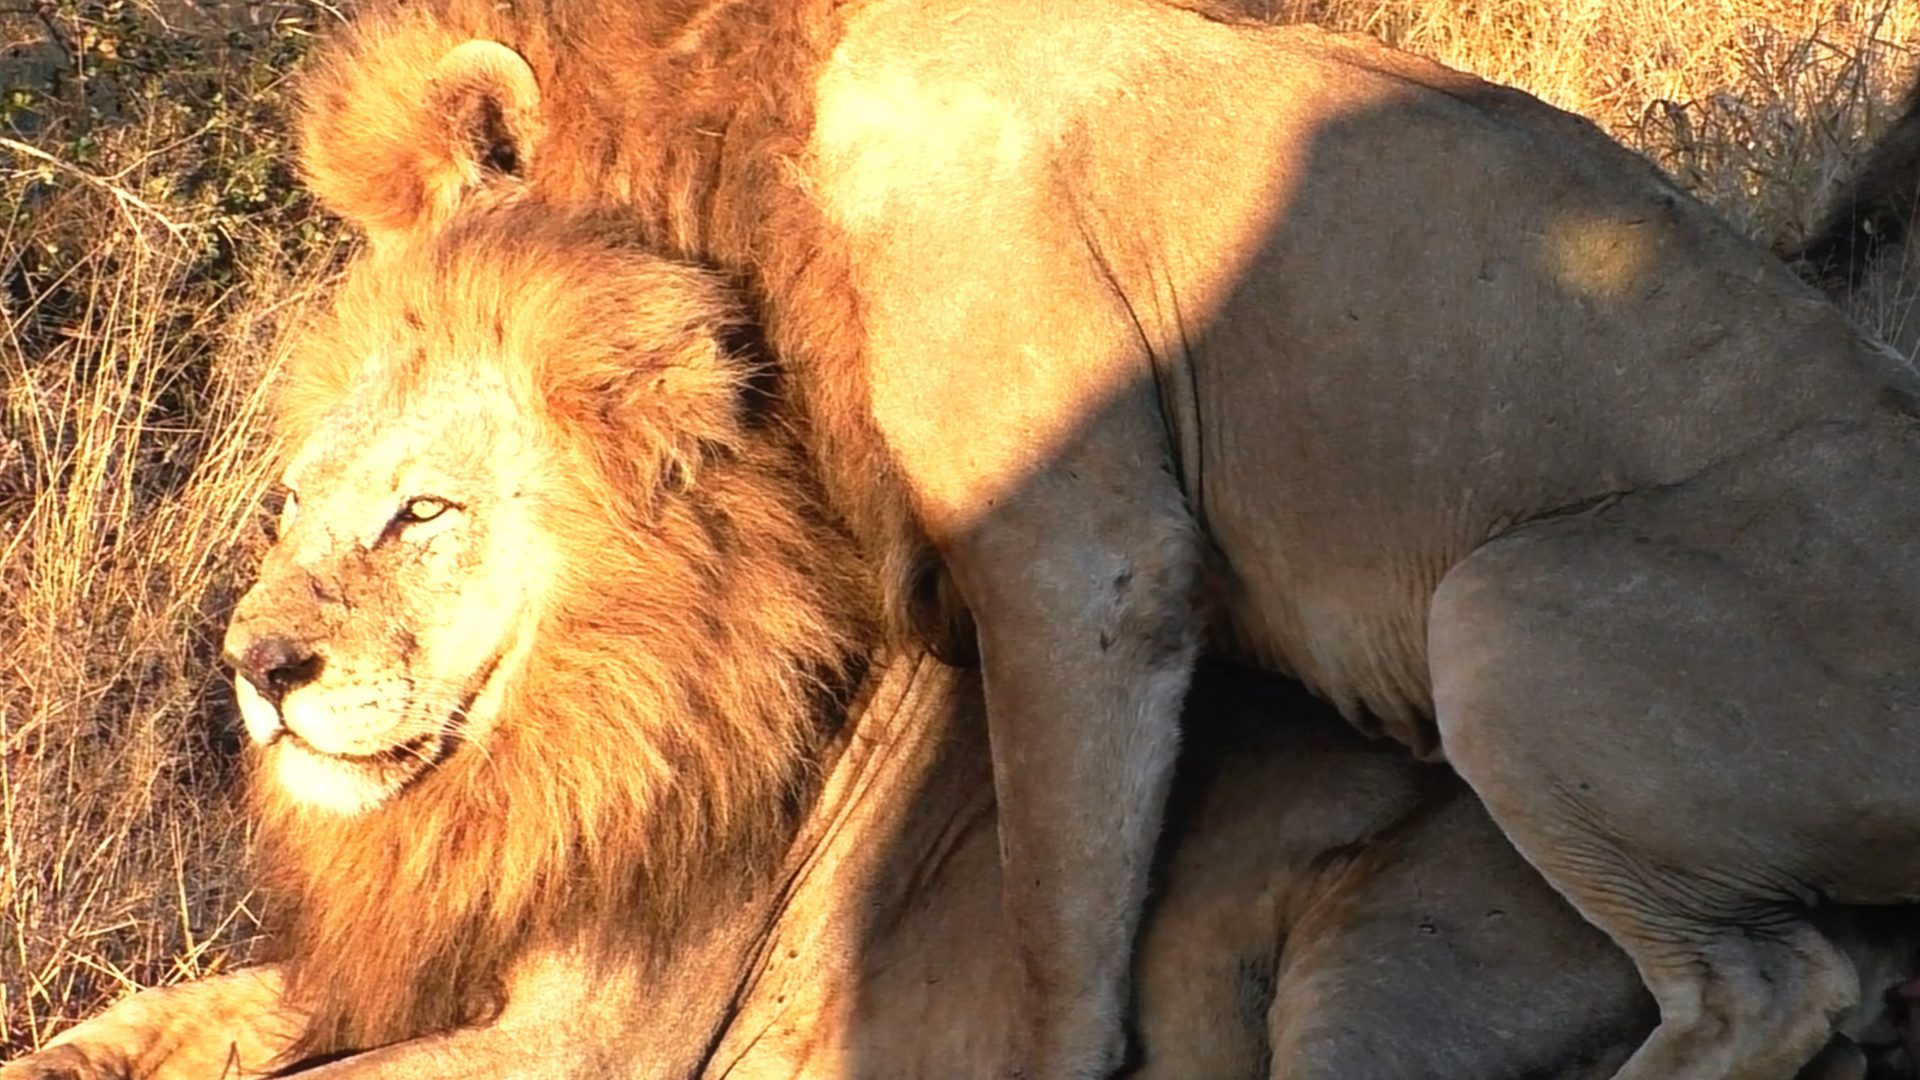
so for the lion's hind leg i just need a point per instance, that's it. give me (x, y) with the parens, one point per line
(1437, 954)
(1649, 730)
(1754, 1000)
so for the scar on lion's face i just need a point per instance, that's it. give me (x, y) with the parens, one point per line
(389, 620)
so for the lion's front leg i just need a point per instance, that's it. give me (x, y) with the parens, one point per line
(233, 1025)
(1081, 581)
(1086, 651)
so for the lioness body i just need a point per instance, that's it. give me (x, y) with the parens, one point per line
(1325, 908)
(588, 857)
(1484, 420)
(1544, 329)
(612, 850)
(1384, 929)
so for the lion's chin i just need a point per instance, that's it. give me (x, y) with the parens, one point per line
(341, 785)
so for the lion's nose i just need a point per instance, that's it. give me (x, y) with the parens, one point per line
(276, 666)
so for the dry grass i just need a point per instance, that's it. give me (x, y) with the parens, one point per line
(148, 245)
(148, 242)
(113, 574)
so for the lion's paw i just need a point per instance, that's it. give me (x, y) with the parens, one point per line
(66, 1062)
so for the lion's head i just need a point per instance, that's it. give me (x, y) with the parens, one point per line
(548, 623)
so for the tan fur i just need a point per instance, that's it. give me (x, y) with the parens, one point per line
(1452, 407)
(1383, 930)
(393, 170)
(1328, 907)
(652, 754)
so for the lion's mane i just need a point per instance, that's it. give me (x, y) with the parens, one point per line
(687, 117)
(680, 691)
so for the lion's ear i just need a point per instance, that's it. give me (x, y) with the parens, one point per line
(488, 105)
(397, 140)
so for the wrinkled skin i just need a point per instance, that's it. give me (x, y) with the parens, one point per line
(1449, 405)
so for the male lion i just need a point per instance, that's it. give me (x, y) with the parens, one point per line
(1477, 424)
(530, 810)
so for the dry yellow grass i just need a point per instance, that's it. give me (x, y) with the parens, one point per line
(143, 208)
(135, 315)
(110, 759)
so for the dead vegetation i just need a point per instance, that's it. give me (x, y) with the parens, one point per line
(149, 237)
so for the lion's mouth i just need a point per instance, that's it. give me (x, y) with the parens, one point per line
(421, 748)
(417, 755)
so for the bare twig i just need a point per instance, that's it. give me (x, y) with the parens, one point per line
(128, 200)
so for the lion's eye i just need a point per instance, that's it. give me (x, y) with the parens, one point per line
(421, 509)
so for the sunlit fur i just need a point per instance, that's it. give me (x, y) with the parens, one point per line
(667, 721)
(689, 118)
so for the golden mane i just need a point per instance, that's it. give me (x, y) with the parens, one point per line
(678, 697)
(688, 119)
